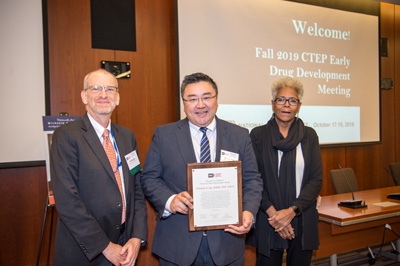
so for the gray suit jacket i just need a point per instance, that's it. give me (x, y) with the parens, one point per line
(87, 197)
(164, 174)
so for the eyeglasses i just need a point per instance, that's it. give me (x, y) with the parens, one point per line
(283, 100)
(196, 100)
(98, 89)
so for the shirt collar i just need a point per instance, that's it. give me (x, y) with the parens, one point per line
(196, 129)
(97, 127)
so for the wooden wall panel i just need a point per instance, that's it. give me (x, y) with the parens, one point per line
(71, 55)
(331, 157)
(368, 163)
(396, 79)
(149, 99)
(23, 194)
(388, 97)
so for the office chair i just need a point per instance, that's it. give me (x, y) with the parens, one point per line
(339, 177)
(395, 172)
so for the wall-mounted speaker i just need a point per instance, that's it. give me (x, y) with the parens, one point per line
(113, 24)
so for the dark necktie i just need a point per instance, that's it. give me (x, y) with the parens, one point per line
(205, 155)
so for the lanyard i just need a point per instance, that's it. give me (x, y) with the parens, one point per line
(116, 151)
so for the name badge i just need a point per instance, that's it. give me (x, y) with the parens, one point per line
(227, 156)
(133, 162)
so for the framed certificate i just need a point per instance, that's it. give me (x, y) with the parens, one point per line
(216, 189)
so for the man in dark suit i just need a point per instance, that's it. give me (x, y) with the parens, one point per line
(164, 180)
(94, 164)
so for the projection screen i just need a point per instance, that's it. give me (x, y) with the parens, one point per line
(246, 45)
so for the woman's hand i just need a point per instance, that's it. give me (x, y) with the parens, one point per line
(287, 232)
(281, 219)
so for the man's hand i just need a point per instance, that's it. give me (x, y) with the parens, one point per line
(181, 203)
(247, 221)
(130, 252)
(113, 253)
(281, 219)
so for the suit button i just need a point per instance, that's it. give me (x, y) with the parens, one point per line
(119, 204)
(117, 227)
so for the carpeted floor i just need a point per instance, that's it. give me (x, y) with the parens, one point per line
(358, 258)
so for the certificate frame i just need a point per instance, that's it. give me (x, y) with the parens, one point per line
(214, 166)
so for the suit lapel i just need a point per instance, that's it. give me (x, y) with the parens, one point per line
(222, 139)
(95, 144)
(185, 141)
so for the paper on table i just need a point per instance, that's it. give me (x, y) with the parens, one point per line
(386, 204)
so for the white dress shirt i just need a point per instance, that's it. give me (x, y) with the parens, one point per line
(196, 135)
(99, 131)
(299, 167)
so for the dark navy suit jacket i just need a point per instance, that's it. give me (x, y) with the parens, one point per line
(164, 174)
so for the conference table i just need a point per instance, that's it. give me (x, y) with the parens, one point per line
(343, 229)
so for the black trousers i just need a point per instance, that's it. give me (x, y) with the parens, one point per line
(295, 255)
(203, 257)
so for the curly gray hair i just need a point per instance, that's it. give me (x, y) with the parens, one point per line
(287, 82)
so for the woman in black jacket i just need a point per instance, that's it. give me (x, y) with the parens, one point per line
(289, 160)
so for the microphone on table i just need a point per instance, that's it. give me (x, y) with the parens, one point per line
(387, 170)
(353, 204)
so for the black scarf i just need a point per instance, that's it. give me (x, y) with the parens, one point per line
(282, 188)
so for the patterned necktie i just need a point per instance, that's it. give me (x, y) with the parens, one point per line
(205, 156)
(110, 151)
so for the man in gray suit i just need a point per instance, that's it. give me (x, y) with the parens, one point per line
(94, 164)
(164, 179)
